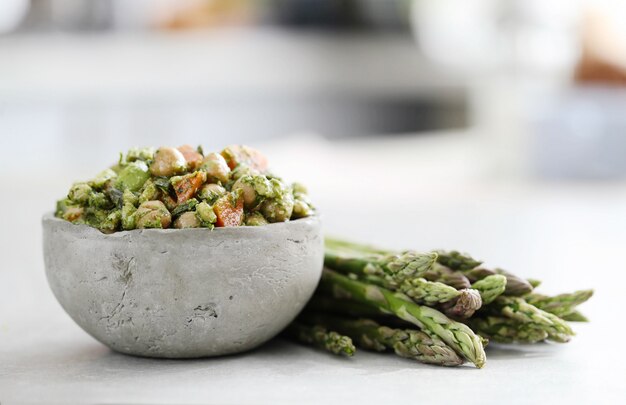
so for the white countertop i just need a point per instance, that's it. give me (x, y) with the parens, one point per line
(561, 233)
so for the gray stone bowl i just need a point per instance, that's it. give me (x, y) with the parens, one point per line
(183, 293)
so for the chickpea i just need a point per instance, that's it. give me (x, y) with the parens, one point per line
(211, 192)
(263, 186)
(240, 154)
(187, 220)
(278, 209)
(245, 184)
(256, 219)
(301, 209)
(253, 186)
(73, 214)
(299, 188)
(193, 158)
(216, 167)
(168, 162)
(153, 214)
(243, 170)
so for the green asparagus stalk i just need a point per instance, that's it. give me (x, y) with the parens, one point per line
(350, 308)
(392, 268)
(506, 330)
(408, 343)
(490, 287)
(432, 322)
(468, 302)
(349, 257)
(428, 292)
(351, 248)
(559, 305)
(463, 307)
(443, 274)
(515, 286)
(418, 289)
(575, 316)
(534, 282)
(322, 338)
(518, 309)
(456, 304)
(401, 273)
(456, 260)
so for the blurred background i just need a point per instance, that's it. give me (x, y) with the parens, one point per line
(496, 127)
(541, 81)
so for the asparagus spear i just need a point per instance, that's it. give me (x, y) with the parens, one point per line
(534, 282)
(351, 247)
(350, 308)
(515, 286)
(401, 273)
(418, 289)
(468, 302)
(506, 330)
(559, 305)
(427, 292)
(408, 343)
(456, 260)
(468, 266)
(518, 309)
(441, 273)
(575, 316)
(320, 337)
(429, 320)
(490, 287)
(451, 267)
(349, 257)
(392, 268)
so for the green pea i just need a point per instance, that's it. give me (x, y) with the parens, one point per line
(206, 215)
(133, 176)
(256, 219)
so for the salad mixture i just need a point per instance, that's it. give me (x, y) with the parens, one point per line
(184, 188)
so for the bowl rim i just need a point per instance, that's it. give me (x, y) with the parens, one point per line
(50, 218)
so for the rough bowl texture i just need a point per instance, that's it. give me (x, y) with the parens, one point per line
(183, 293)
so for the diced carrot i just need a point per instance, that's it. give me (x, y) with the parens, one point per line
(193, 158)
(229, 212)
(188, 185)
(236, 154)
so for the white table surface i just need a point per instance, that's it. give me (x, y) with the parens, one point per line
(445, 192)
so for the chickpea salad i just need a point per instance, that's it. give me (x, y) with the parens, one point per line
(184, 188)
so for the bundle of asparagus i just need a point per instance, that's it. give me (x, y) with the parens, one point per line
(440, 307)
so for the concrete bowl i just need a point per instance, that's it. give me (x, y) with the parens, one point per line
(183, 293)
